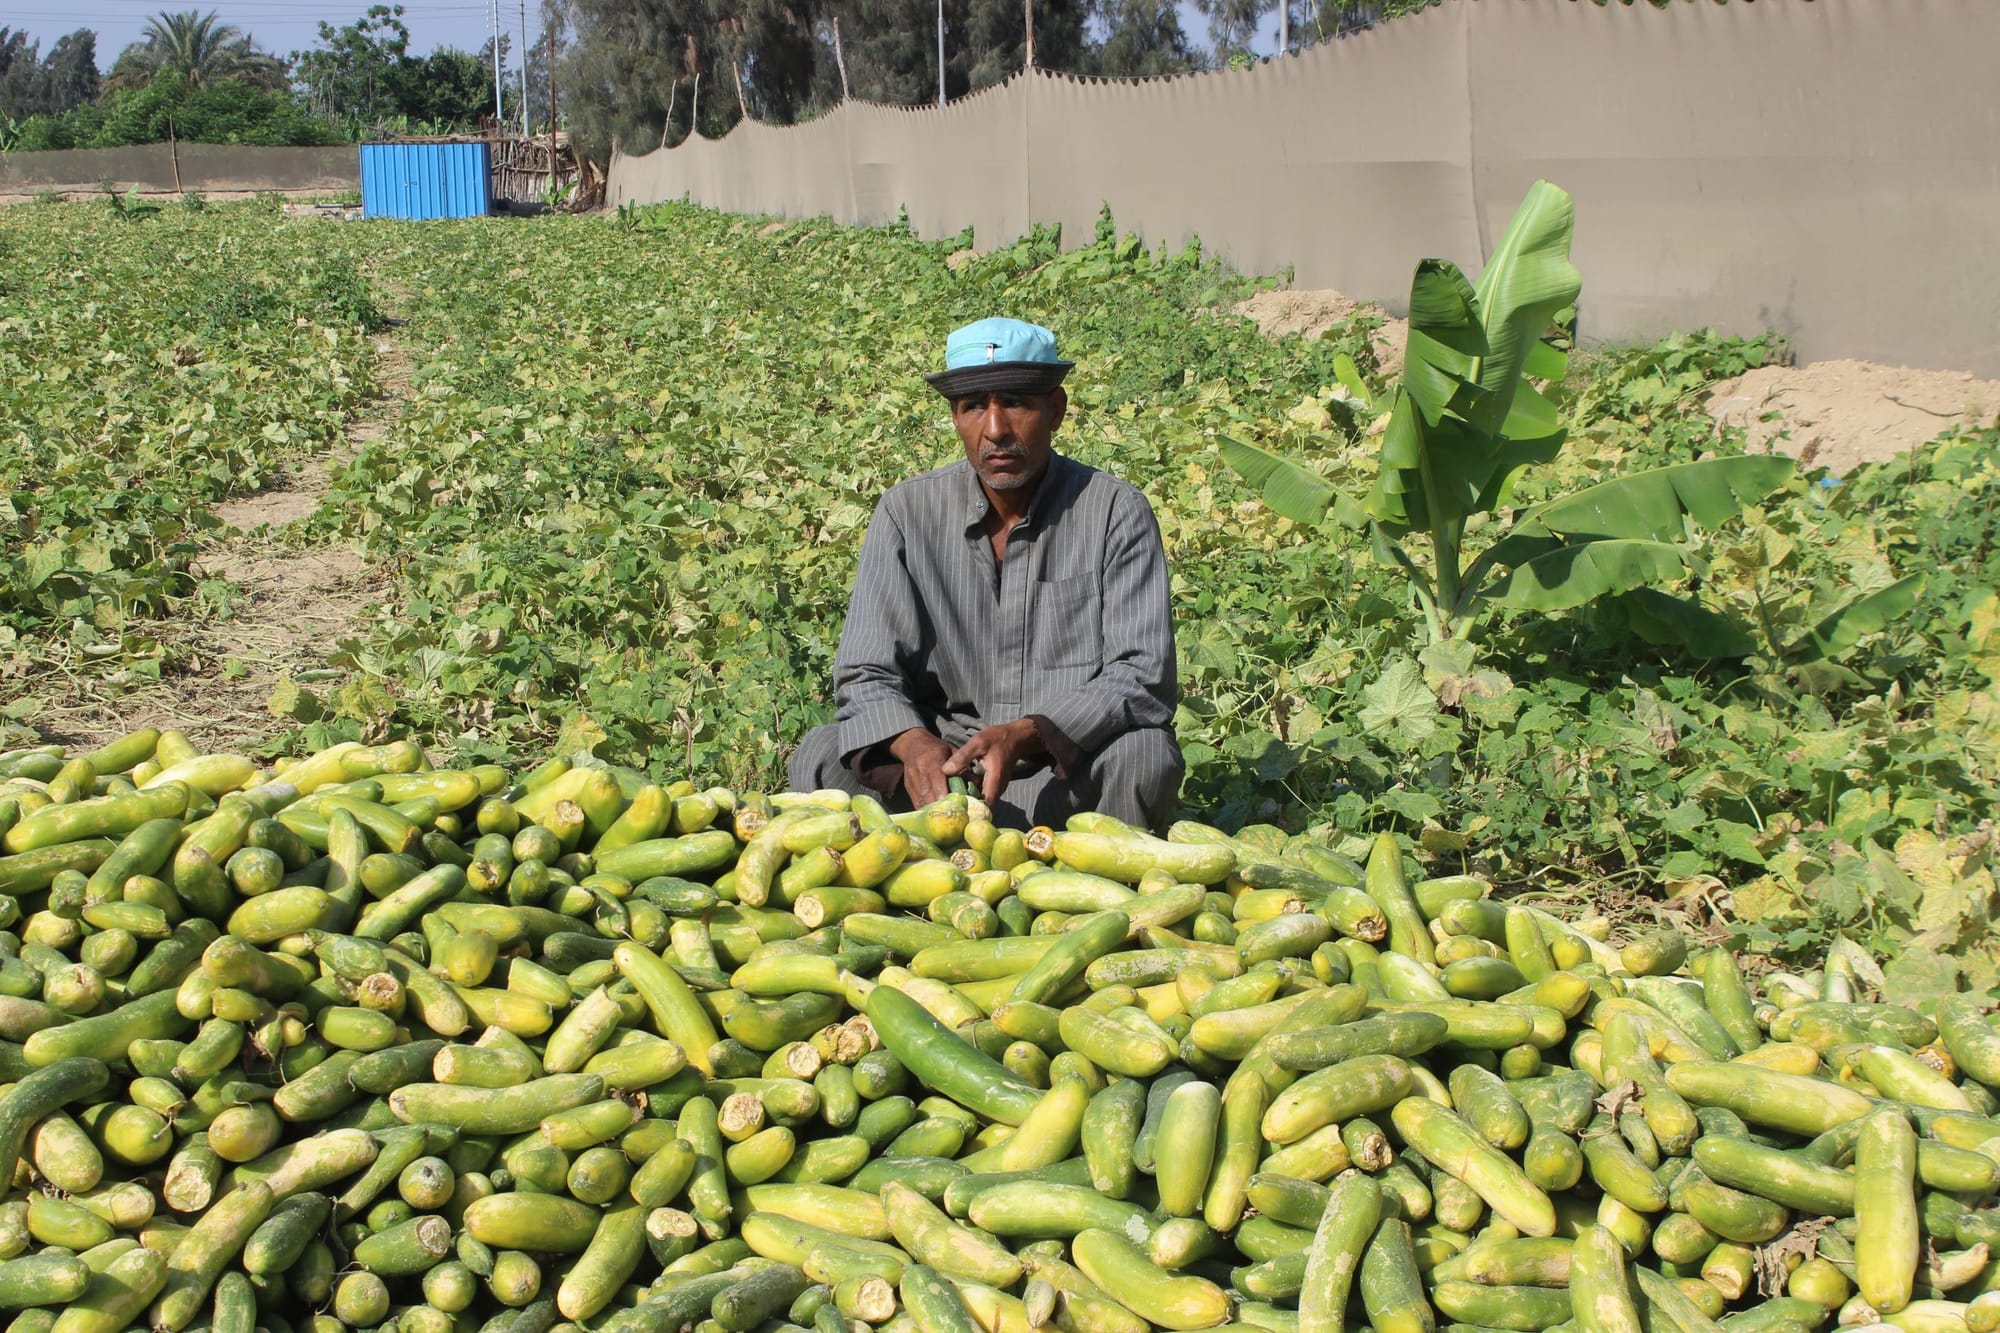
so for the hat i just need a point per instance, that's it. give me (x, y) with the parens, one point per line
(999, 356)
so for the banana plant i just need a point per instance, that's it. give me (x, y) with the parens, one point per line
(1466, 418)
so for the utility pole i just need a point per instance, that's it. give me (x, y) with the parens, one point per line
(525, 48)
(552, 92)
(940, 52)
(1028, 6)
(1284, 26)
(493, 25)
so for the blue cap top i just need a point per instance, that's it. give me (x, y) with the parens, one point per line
(988, 342)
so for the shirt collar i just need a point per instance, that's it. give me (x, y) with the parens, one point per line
(1053, 480)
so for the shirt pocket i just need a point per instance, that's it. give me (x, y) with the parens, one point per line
(1067, 616)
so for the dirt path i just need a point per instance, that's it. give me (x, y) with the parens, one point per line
(279, 602)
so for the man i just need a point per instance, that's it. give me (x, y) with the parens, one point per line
(1010, 619)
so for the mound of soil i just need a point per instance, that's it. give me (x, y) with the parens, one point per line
(1841, 414)
(1312, 313)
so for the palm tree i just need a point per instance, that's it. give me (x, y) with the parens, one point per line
(198, 47)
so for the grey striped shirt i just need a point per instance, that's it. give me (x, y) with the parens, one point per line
(1075, 625)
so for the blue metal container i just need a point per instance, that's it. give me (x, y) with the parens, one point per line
(425, 180)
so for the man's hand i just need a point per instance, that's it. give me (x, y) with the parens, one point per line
(995, 748)
(923, 757)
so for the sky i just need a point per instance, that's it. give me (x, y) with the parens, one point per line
(285, 26)
(281, 26)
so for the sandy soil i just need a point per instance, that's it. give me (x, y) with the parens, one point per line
(1831, 414)
(1312, 313)
(1841, 414)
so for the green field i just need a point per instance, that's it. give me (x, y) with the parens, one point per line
(622, 486)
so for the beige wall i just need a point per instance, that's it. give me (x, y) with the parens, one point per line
(1827, 168)
(202, 166)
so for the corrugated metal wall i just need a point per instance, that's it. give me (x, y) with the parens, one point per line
(425, 180)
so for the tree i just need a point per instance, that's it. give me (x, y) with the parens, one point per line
(891, 45)
(992, 45)
(629, 71)
(891, 49)
(30, 86)
(226, 111)
(69, 75)
(198, 48)
(352, 72)
(1232, 23)
(1314, 21)
(1143, 38)
(446, 88)
(625, 74)
(20, 69)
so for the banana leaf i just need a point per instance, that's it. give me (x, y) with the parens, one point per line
(1572, 575)
(1465, 419)
(1653, 505)
(1288, 488)
(1678, 622)
(1844, 628)
(1526, 282)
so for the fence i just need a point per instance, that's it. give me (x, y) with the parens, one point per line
(524, 170)
(170, 168)
(1827, 168)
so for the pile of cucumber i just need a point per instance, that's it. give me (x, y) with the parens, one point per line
(354, 1043)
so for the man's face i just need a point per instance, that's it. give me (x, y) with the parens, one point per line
(1007, 435)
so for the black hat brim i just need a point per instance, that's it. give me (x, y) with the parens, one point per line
(1001, 377)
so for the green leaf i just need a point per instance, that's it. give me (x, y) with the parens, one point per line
(1654, 503)
(1683, 623)
(1289, 488)
(1864, 615)
(1415, 806)
(1572, 575)
(1398, 707)
(1545, 362)
(1526, 282)
(1738, 841)
(1350, 379)
(290, 699)
(1921, 977)
(1451, 673)
(1446, 339)
(1465, 421)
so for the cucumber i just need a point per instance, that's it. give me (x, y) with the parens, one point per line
(50, 1088)
(682, 858)
(1129, 1276)
(494, 1110)
(943, 1062)
(97, 818)
(117, 1297)
(1034, 1209)
(538, 1222)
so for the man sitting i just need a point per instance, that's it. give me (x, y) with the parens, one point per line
(1010, 618)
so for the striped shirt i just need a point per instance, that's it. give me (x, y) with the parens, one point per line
(1074, 625)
